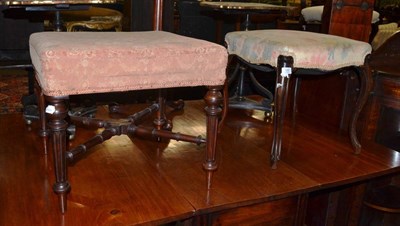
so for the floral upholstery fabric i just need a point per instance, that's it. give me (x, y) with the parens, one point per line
(95, 62)
(309, 50)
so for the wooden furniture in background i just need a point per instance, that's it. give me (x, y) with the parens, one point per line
(138, 15)
(381, 125)
(348, 18)
(383, 118)
(15, 27)
(243, 11)
(93, 19)
(382, 206)
(312, 17)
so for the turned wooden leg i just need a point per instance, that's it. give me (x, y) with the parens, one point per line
(284, 71)
(213, 100)
(365, 76)
(57, 111)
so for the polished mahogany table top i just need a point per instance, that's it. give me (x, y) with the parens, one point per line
(129, 181)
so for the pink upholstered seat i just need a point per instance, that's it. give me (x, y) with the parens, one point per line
(96, 62)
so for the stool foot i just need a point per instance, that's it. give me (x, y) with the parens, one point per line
(62, 190)
(63, 202)
(209, 179)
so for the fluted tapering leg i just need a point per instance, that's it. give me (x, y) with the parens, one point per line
(57, 111)
(213, 100)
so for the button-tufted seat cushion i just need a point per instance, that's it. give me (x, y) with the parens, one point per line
(309, 50)
(96, 62)
(314, 14)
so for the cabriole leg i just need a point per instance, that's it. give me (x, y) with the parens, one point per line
(284, 71)
(365, 76)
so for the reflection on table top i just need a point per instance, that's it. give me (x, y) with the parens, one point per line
(243, 6)
(53, 2)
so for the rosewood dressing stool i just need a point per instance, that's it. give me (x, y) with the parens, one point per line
(101, 62)
(298, 52)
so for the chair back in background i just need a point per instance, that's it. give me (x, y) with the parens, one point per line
(348, 18)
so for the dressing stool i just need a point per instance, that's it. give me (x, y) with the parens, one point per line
(73, 63)
(299, 52)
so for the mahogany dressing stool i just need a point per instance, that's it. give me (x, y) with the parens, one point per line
(73, 63)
